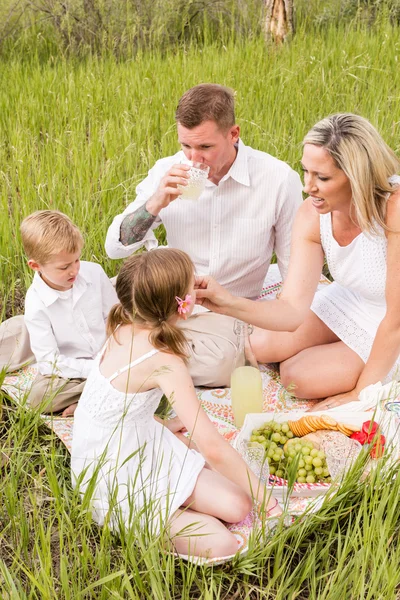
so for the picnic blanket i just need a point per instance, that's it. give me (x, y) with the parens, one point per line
(217, 405)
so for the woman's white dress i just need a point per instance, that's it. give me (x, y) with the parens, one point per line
(354, 304)
(146, 470)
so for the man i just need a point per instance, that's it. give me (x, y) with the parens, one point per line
(245, 213)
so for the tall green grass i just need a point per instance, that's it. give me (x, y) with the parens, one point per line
(50, 549)
(79, 135)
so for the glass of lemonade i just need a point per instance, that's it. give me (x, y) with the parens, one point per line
(198, 175)
(246, 393)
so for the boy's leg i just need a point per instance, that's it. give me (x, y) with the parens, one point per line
(212, 344)
(15, 350)
(54, 394)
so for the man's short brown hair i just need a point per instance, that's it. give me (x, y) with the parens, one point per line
(207, 102)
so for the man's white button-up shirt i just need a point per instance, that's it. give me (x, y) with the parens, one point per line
(67, 329)
(233, 229)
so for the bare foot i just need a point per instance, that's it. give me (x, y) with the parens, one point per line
(69, 411)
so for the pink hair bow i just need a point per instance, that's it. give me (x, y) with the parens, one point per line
(184, 305)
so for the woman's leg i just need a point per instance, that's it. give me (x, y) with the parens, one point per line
(276, 346)
(322, 371)
(196, 534)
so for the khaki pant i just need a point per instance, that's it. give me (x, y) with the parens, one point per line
(212, 344)
(51, 393)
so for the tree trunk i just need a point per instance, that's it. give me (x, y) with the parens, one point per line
(278, 20)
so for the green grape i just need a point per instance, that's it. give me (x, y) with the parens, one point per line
(276, 437)
(301, 479)
(279, 473)
(308, 467)
(302, 472)
(289, 434)
(297, 447)
(310, 479)
(321, 455)
(285, 428)
(283, 439)
(276, 457)
(271, 452)
(301, 463)
(317, 462)
(277, 427)
(318, 471)
(314, 452)
(305, 450)
(292, 452)
(326, 472)
(310, 444)
(308, 460)
(272, 470)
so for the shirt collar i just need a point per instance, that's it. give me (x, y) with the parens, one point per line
(239, 170)
(48, 295)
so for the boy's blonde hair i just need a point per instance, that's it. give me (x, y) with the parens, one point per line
(147, 287)
(46, 233)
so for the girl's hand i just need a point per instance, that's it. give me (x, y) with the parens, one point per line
(212, 295)
(273, 509)
(334, 401)
(174, 425)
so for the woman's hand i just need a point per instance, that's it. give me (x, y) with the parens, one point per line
(212, 295)
(334, 401)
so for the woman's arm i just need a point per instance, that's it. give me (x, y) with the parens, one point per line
(177, 385)
(386, 347)
(287, 313)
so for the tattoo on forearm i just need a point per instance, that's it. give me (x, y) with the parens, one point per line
(135, 226)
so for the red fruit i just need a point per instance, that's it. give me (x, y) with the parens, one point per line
(370, 428)
(360, 436)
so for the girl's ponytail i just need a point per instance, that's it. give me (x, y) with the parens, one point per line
(117, 316)
(167, 337)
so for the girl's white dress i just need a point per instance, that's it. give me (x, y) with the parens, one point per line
(139, 468)
(354, 304)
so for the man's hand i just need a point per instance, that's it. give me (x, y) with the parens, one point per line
(334, 401)
(212, 295)
(167, 191)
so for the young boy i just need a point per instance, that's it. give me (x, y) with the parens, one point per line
(65, 311)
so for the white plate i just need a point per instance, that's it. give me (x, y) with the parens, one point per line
(386, 420)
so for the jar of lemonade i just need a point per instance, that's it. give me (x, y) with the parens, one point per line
(246, 380)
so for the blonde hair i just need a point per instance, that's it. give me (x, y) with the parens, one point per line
(47, 232)
(360, 152)
(207, 102)
(147, 287)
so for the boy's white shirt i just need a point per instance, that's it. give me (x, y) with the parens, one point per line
(65, 335)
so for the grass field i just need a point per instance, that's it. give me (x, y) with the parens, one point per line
(78, 135)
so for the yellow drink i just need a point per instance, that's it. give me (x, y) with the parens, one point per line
(246, 393)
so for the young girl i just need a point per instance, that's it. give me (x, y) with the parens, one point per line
(136, 458)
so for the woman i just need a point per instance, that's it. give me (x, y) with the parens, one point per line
(348, 336)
